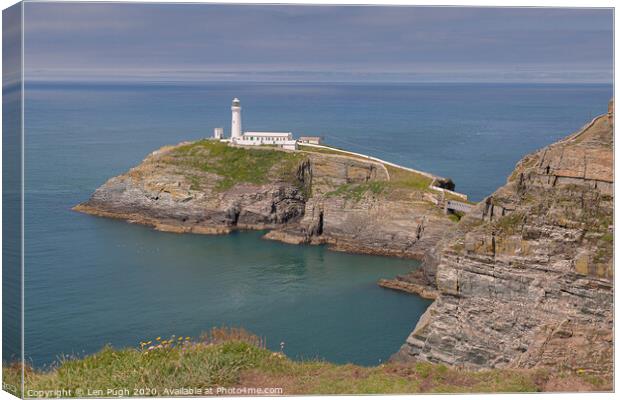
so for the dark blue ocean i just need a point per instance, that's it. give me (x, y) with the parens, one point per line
(91, 281)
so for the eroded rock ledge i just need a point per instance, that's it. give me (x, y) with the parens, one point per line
(206, 187)
(526, 279)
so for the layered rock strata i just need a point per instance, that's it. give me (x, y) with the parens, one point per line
(526, 279)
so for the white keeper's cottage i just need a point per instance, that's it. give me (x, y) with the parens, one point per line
(238, 137)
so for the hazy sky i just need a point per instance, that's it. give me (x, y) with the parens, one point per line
(316, 43)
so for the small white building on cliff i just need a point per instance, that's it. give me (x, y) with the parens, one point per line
(265, 138)
(310, 139)
(238, 137)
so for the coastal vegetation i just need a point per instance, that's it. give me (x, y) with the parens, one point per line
(401, 184)
(353, 191)
(235, 358)
(399, 177)
(331, 150)
(402, 178)
(456, 216)
(234, 164)
(510, 223)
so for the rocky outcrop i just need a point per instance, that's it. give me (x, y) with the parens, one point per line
(413, 283)
(526, 279)
(349, 203)
(374, 224)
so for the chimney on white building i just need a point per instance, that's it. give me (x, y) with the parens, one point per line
(235, 131)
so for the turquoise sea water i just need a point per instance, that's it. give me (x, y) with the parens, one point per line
(91, 281)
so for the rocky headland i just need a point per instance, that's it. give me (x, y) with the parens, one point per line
(526, 279)
(314, 196)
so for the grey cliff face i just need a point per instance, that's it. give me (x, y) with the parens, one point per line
(525, 280)
(401, 223)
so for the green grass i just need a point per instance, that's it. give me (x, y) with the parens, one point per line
(400, 181)
(510, 223)
(355, 191)
(235, 358)
(332, 150)
(400, 178)
(195, 183)
(233, 164)
(605, 249)
(199, 366)
(456, 216)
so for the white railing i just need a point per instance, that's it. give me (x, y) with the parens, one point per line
(453, 193)
(458, 206)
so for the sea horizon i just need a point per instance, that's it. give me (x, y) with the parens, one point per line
(105, 81)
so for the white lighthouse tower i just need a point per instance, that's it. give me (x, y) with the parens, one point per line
(235, 131)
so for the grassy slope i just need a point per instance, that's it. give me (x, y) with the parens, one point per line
(398, 177)
(335, 151)
(234, 164)
(233, 358)
(401, 181)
